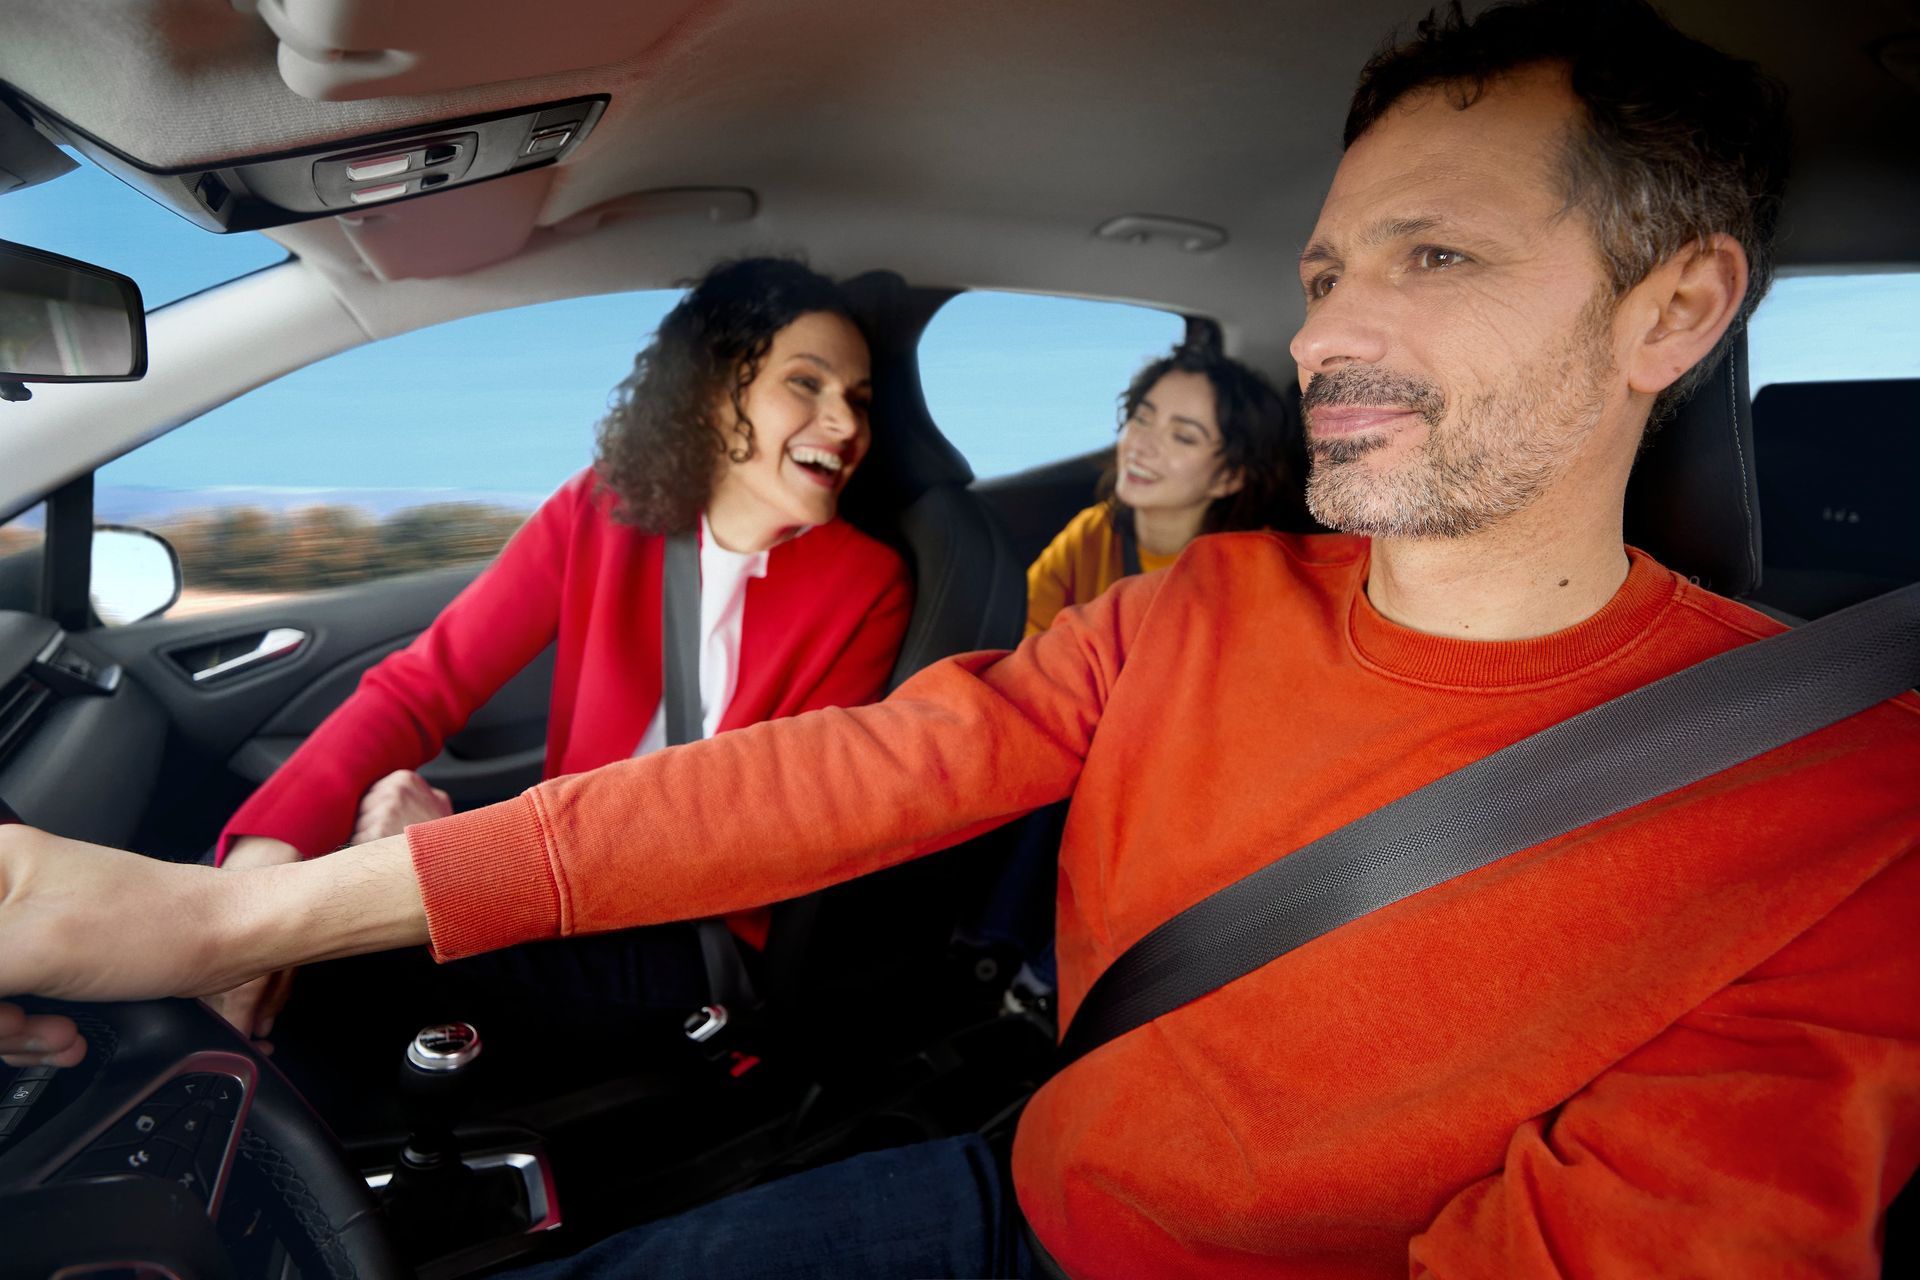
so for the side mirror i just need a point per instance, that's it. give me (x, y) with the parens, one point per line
(62, 320)
(136, 574)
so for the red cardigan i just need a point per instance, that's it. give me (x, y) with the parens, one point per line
(821, 629)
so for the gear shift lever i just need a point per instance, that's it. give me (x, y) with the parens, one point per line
(436, 1080)
(434, 1201)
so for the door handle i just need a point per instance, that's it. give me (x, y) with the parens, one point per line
(280, 642)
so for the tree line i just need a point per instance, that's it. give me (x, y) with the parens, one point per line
(254, 549)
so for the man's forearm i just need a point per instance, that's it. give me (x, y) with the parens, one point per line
(82, 922)
(351, 902)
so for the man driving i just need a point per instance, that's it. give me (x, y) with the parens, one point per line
(1682, 1040)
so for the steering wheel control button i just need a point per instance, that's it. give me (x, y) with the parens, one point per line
(181, 1090)
(220, 1092)
(189, 1127)
(223, 1095)
(23, 1093)
(154, 1159)
(193, 1182)
(448, 1046)
(139, 1125)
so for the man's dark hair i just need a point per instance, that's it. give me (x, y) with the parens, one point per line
(661, 442)
(1259, 434)
(1680, 141)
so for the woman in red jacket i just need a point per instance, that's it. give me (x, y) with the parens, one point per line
(744, 418)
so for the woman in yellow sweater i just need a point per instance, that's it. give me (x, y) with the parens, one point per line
(1203, 449)
(1205, 444)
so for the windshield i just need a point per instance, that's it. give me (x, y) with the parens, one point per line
(90, 215)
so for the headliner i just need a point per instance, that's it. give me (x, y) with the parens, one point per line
(970, 144)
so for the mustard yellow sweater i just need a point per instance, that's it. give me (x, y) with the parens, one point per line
(1079, 564)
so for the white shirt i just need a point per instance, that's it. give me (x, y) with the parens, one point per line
(723, 606)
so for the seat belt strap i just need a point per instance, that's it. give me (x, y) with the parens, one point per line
(680, 637)
(727, 980)
(1624, 752)
(1129, 547)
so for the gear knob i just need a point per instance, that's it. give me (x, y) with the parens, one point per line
(435, 1083)
(444, 1048)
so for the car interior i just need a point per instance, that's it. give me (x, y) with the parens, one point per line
(425, 163)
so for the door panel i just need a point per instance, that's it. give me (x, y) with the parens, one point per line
(500, 753)
(228, 734)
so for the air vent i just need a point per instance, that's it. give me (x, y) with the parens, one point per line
(22, 701)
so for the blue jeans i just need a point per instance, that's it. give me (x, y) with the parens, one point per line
(934, 1209)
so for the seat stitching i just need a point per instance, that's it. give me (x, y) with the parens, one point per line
(1746, 504)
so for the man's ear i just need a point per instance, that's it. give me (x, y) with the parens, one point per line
(1685, 305)
(1229, 481)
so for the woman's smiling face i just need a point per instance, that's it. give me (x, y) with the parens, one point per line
(808, 405)
(1170, 448)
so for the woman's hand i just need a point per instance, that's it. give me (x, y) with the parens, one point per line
(395, 803)
(252, 1006)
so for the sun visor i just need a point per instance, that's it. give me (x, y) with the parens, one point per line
(26, 158)
(341, 50)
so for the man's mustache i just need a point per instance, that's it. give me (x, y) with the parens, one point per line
(1373, 388)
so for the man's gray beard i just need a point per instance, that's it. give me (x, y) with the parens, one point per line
(1477, 466)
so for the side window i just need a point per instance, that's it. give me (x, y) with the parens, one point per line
(1837, 328)
(1020, 380)
(25, 532)
(20, 540)
(412, 453)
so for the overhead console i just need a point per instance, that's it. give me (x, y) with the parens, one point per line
(350, 174)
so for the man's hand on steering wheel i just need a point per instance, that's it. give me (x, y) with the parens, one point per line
(41, 1040)
(81, 922)
(89, 923)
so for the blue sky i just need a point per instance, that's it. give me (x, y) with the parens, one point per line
(506, 402)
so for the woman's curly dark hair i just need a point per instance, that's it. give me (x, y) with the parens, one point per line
(661, 440)
(1258, 436)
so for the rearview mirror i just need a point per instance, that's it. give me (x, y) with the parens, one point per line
(62, 320)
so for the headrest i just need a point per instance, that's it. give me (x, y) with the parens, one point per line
(1839, 528)
(909, 455)
(1693, 502)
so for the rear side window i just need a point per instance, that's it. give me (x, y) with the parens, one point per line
(1020, 380)
(1839, 328)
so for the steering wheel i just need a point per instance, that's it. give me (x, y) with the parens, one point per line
(141, 1144)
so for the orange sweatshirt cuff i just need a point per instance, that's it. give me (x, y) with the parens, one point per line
(486, 879)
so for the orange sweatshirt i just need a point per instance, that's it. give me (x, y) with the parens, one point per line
(1681, 1041)
(1081, 562)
